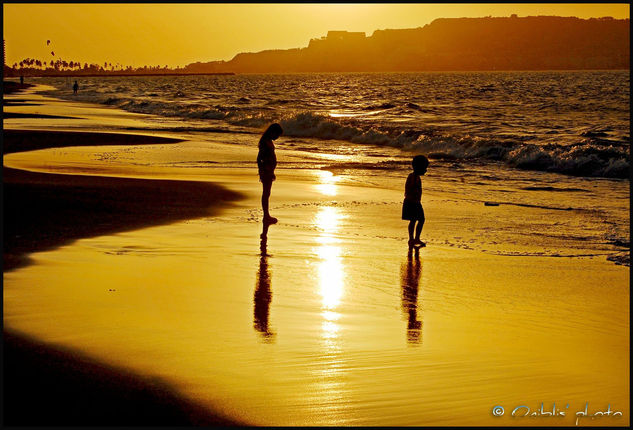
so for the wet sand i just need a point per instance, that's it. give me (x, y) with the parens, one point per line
(29, 140)
(10, 87)
(44, 211)
(330, 321)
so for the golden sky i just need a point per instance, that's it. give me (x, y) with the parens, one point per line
(178, 34)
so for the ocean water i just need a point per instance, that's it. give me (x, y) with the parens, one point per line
(574, 123)
(556, 144)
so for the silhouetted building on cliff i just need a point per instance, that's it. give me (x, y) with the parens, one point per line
(334, 38)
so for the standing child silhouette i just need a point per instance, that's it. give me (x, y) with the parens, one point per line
(412, 206)
(266, 163)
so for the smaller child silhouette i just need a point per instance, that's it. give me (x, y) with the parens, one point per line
(412, 206)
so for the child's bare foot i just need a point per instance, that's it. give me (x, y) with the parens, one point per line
(270, 220)
(419, 243)
(411, 243)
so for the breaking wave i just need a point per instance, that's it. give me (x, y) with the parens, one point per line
(585, 158)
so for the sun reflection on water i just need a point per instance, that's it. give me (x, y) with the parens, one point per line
(327, 185)
(331, 273)
(331, 270)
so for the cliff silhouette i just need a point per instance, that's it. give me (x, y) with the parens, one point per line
(451, 44)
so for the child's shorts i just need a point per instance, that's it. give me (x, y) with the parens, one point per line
(412, 210)
(266, 175)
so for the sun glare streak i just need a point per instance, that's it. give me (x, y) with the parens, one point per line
(330, 329)
(328, 183)
(331, 287)
(327, 220)
(331, 269)
(331, 275)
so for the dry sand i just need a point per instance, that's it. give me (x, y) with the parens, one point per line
(330, 321)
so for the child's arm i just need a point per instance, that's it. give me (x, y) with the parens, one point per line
(409, 186)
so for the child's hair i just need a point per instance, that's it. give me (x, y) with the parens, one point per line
(420, 162)
(272, 132)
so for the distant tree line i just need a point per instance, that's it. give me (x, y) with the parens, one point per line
(59, 67)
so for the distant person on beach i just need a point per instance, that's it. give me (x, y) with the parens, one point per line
(266, 163)
(75, 87)
(412, 206)
(21, 80)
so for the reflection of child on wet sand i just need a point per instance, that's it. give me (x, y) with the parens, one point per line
(263, 297)
(410, 287)
(266, 163)
(412, 206)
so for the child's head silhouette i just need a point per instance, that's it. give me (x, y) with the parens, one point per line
(273, 131)
(420, 163)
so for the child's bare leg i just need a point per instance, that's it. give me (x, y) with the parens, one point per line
(264, 235)
(266, 186)
(411, 228)
(418, 229)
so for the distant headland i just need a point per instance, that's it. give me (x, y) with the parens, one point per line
(452, 44)
(446, 44)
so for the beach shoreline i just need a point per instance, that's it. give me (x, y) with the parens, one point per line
(325, 319)
(48, 210)
(10, 87)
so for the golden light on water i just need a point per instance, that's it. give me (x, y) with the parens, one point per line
(327, 183)
(327, 220)
(331, 269)
(331, 275)
(330, 329)
(331, 272)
